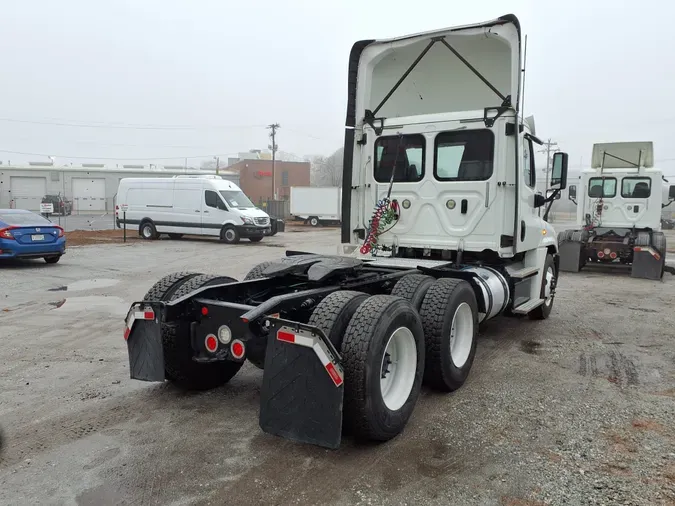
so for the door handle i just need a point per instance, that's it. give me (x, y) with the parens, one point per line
(206, 211)
(197, 210)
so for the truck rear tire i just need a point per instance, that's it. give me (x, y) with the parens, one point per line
(550, 276)
(413, 288)
(257, 271)
(450, 317)
(164, 288)
(333, 314)
(179, 367)
(314, 221)
(383, 359)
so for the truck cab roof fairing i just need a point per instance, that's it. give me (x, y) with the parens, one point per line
(440, 81)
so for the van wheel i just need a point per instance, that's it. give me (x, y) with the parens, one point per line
(229, 235)
(148, 230)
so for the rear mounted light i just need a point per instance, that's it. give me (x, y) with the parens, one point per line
(612, 255)
(601, 254)
(237, 349)
(61, 232)
(205, 311)
(224, 334)
(6, 233)
(211, 343)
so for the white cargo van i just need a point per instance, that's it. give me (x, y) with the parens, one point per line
(195, 205)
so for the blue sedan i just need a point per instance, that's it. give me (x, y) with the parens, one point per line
(24, 234)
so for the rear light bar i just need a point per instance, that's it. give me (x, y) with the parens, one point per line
(61, 231)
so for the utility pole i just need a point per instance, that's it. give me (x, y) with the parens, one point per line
(273, 135)
(549, 145)
(217, 163)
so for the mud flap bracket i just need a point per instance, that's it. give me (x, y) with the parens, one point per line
(303, 385)
(143, 335)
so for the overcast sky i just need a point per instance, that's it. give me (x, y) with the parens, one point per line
(597, 71)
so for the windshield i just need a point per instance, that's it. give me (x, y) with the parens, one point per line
(24, 219)
(236, 199)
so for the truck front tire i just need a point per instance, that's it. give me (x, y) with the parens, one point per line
(383, 358)
(549, 276)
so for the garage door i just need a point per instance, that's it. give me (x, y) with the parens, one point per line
(27, 192)
(88, 195)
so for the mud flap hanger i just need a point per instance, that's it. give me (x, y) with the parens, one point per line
(370, 116)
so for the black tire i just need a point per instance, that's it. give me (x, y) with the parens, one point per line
(255, 239)
(229, 235)
(147, 230)
(257, 271)
(333, 314)
(53, 259)
(542, 312)
(164, 288)
(175, 236)
(439, 307)
(365, 414)
(179, 367)
(413, 288)
(314, 221)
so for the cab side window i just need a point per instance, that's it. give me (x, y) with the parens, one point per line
(529, 171)
(212, 199)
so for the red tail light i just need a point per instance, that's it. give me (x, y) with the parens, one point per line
(6, 233)
(61, 232)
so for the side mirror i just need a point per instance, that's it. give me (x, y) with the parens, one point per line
(671, 192)
(539, 200)
(559, 172)
(572, 192)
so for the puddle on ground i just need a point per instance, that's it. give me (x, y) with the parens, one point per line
(531, 347)
(98, 303)
(85, 284)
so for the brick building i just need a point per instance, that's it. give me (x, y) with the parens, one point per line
(255, 178)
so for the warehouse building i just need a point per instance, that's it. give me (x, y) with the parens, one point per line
(91, 187)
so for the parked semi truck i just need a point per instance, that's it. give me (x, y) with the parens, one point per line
(619, 202)
(316, 205)
(440, 233)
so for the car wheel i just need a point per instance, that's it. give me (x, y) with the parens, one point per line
(53, 260)
(148, 230)
(229, 235)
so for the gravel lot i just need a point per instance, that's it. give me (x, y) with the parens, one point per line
(575, 410)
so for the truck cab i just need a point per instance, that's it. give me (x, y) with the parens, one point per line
(434, 130)
(619, 204)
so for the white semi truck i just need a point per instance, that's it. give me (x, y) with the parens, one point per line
(619, 203)
(440, 232)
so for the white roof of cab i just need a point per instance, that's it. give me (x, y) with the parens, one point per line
(623, 155)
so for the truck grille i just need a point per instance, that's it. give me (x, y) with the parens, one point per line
(262, 221)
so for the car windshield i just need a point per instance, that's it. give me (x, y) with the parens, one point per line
(236, 199)
(24, 219)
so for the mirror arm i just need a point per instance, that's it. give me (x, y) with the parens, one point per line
(575, 202)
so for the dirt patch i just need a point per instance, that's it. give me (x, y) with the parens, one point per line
(88, 237)
(648, 425)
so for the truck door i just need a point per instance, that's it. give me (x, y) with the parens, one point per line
(529, 222)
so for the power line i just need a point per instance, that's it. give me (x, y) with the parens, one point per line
(210, 155)
(69, 123)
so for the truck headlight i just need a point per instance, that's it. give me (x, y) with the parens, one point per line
(247, 220)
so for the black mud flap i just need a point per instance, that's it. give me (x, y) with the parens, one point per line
(647, 263)
(144, 342)
(302, 390)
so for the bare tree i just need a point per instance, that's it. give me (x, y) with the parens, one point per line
(327, 171)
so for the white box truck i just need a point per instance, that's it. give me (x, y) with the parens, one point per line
(316, 205)
(195, 205)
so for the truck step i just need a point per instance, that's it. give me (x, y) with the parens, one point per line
(528, 306)
(523, 273)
